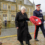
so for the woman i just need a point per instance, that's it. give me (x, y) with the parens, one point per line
(22, 26)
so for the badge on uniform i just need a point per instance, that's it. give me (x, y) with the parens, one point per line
(40, 11)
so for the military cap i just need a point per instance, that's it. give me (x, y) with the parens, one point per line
(38, 4)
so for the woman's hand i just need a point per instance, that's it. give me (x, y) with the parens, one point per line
(17, 27)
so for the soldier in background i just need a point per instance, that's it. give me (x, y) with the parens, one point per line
(0, 27)
(5, 23)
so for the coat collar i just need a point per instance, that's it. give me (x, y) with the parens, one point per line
(37, 10)
(21, 13)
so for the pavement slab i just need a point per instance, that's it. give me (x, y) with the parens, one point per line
(13, 31)
(14, 41)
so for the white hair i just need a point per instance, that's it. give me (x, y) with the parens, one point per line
(23, 7)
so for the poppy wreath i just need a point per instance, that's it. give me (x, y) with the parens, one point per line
(35, 20)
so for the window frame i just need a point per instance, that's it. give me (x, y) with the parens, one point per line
(4, 17)
(4, 6)
(12, 17)
(19, 7)
(11, 1)
(14, 6)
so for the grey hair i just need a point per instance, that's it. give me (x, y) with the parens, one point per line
(23, 7)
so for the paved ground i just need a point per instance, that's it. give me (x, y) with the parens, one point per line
(13, 31)
(14, 41)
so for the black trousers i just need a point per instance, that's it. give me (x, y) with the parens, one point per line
(37, 29)
(5, 24)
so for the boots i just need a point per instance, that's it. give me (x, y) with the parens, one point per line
(21, 42)
(27, 42)
(36, 39)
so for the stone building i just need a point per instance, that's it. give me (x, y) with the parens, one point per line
(9, 8)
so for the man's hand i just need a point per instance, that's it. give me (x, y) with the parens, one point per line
(17, 27)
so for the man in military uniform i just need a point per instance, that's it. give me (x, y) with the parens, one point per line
(39, 14)
(0, 27)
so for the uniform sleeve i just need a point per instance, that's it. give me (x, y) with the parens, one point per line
(16, 20)
(42, 16)
(34, 14)
(43, 19)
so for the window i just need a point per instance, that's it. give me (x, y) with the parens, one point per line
(13, 18)
(29, 15)
(12, 7)
(11, 0)
(4, 17)
(26, 10)
(20, 7)
(4, 6)
(30, 10)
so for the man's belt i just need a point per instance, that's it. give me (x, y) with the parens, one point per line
(40, 17)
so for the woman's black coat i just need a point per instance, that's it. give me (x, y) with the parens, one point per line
(21, 22)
